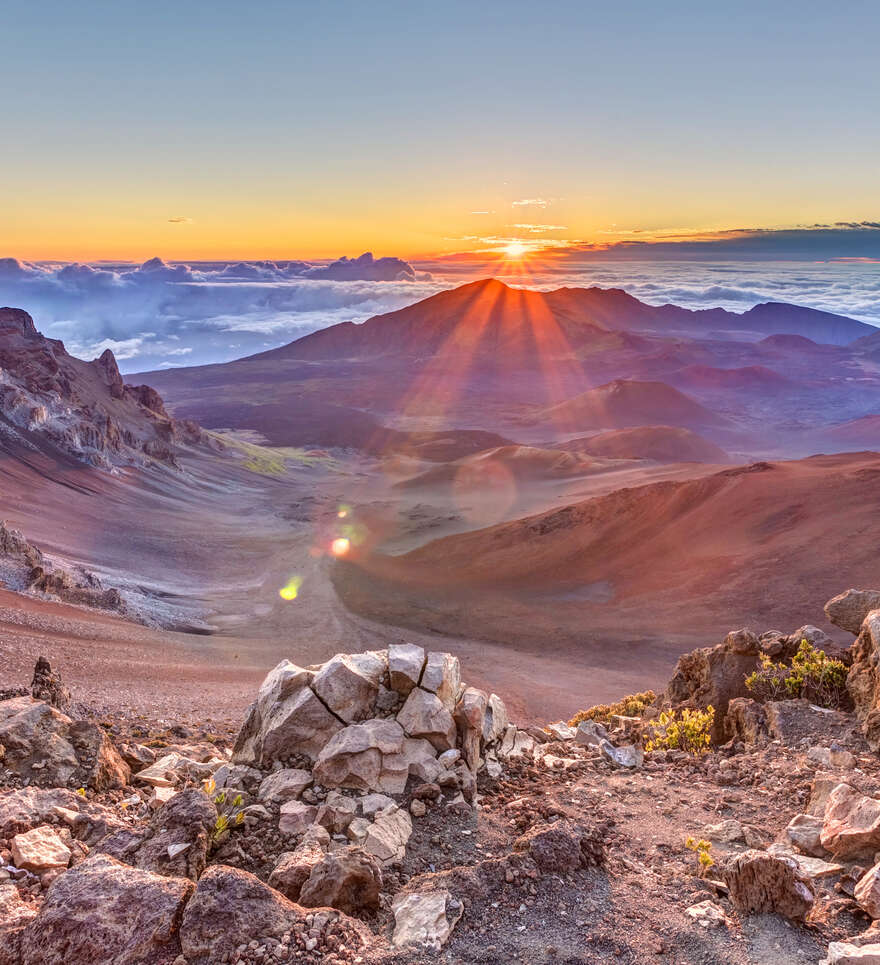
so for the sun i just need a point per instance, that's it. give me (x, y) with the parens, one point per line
(516, 249)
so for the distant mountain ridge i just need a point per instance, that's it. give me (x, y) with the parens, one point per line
(484, 316)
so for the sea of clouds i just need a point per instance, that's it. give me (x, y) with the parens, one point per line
(158, 315)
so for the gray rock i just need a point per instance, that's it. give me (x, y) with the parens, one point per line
(630, 756)
(848, 610)
(425, 715)
(442, 676)
(405, 664)
(284, 785)
(349, 684)
(424, 920)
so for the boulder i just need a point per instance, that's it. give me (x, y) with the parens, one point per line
(631, 756)
(848, 610)
(349, 880)
(442, 676)
(40, 849)
(590, 733)
(46, 685)
(336, 812)
(713, 676)
(103, 905)
(560, 731)
(25, 808)
(15, 915)
(495, 720)
(867, 892)
(373, 803)
(727, 831)
(348, 684)
(232, 908)
(470, 714)
(746, 721)
(387, 837)
(562, 847)
(863, 679)
(353, 756)
(820, 790)
(174, 843)
(295, 817)
(425, 715)
(845, 953)
(287, 718)
(45, 747)
(804, 831)
(284, 785)
(294, 867)
(761, 883)
(173, 769)
(851, 826)
(425, 920)
(405, 664)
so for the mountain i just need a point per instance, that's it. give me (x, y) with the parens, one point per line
(658, 443)
(862, 433)
(705, 553)
(624, 403)
(83, 409)
(755, 378)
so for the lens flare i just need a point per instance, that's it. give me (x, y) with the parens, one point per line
(340, 546)
(290, 590)
(343, 511)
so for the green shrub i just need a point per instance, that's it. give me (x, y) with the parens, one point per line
(687, 730)
(812, 675)
(632, 706)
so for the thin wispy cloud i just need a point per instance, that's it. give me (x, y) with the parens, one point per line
(530, 203)
(539, 228)
(180, 220)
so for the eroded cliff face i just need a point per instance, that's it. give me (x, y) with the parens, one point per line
(82, 408)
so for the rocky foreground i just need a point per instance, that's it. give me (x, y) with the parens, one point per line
(377, 809)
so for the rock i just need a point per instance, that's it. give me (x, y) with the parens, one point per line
(27, 807)
(848, 610)
(405, 664)
(867, 892)
(103, 905)
(175, 842)
(523, 745)
(863, 679)
(232, 908)
(349, 880)
(15, 915)
(416, 758)
(46, 685)
(348, 684)
(707, 914)
(353, 756)
(172, 769)
(442, 677)
(137, 756)
(562, 847)
(851, 825)
(845, 953)
(237, 777)
(371, 803)
(495, 720)
(294, 867)
(424, 920)
(40, 849)
(726, 832)
(284, 785)
(560, 731)
(425, 715)
(448, 758)
(160, 796)
(713, 676)
(590, 733)
(417, 808)
(470, 714)
(295, 817)
(820, 790)
(792, 720)
(746, 721)
(631, 756)
(337, 812)
(387, 836)
(833, 758)
(805, 831)
(812, 868)
(286, 718)
(762, 883)
(47, 748)
(356, 832)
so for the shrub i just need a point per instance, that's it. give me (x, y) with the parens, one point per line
(632, 706)
(230, 812)
(701, 849)
(812, 675)
(687, 730)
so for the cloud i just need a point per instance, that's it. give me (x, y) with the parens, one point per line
(530, 203)
(538, 228)
(180, 220)
(156, 312)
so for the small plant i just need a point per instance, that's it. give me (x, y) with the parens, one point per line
(632, 706)
(701, 849)
(812, 675)
(687, 730)
(230, 812)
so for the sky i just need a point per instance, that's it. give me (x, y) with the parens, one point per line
(293, 130)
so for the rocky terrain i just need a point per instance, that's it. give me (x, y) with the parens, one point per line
(83, 409)
(376, 809)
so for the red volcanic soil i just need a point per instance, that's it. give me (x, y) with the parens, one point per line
(624, 403)
(623, 574)
(658, 443)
